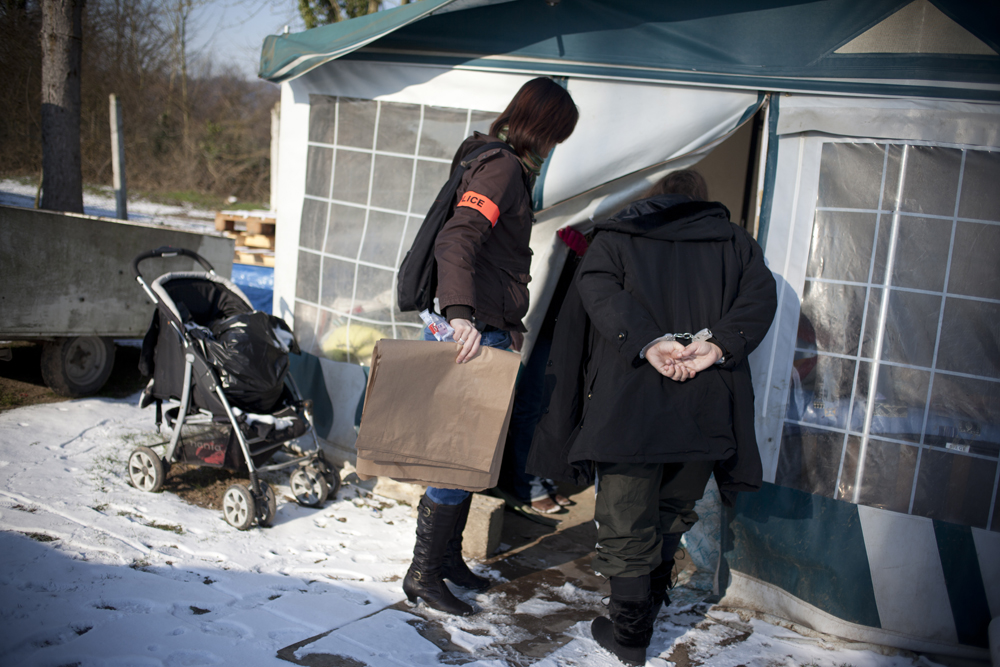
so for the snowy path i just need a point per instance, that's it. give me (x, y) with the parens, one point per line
(96, 572)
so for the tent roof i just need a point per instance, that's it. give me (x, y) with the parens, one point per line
(285, 57)
(944, 48)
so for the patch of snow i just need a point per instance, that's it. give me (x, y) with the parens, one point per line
(538, 607)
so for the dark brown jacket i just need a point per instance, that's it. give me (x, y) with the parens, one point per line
(482, 251)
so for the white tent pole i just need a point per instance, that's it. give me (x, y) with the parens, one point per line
(762, 164)
(275, 142)
(880, 332)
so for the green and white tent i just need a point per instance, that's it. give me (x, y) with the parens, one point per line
(859, 141)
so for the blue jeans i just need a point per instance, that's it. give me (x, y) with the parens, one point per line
(523, 419)
(498, 339)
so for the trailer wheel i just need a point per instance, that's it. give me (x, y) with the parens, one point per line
(77, 366)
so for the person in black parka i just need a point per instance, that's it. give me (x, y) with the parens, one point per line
(649, 388)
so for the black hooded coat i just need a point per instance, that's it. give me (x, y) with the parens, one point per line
(665, 264)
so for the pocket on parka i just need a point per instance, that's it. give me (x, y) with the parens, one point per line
(515, 295)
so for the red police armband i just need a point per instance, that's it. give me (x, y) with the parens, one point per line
(483, 204)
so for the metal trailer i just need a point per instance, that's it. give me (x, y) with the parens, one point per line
(64, 281)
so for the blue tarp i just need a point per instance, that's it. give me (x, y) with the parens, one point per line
(257, 282)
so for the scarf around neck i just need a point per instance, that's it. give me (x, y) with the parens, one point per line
(532, 161)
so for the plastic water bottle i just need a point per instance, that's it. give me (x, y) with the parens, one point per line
(438, 326)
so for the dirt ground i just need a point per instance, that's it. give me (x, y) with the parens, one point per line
(21, 381)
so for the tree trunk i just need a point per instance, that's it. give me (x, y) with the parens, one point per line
(62, 41)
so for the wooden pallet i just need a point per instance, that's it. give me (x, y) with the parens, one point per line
(254, 236)
(226, 221)
(262, 241)
(254, 258)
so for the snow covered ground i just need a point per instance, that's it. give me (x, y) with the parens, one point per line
(96, 572)
(16, 193)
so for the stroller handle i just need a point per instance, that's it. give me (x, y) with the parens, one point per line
(168, 251)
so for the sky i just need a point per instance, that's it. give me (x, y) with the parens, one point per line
(231, 32)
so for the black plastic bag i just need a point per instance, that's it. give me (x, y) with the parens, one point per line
(250, 360)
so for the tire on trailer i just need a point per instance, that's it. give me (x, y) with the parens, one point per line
(77, 366)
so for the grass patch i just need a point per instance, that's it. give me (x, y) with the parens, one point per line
(41, 537)
(139, 564)
(196, 199)
(166, 526)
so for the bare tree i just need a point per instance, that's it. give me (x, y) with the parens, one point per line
(179, 13)
(132, 51)
(62, 45)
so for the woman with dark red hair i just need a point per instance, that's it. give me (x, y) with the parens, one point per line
(483, 262)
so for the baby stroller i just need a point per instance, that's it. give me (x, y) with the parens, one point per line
(221, 367)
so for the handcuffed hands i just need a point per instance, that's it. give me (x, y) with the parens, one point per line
(680, 363)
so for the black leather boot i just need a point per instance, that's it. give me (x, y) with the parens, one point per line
(455, 568)
(628, 633)
(435, 528)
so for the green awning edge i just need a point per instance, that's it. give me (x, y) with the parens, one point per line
(285, 57)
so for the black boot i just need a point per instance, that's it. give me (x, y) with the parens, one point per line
(455, 569)
(661, 578)
(630, 629)
(435, 528)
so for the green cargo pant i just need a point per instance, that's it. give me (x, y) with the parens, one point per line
(638, 503)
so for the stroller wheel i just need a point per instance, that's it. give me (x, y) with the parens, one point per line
(145, 470)
(309, 486)
(333, 482)
(238, 507)
(267, 506)
(329, 472)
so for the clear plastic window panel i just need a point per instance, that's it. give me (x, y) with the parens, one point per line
(894, 399)
(372, 170)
